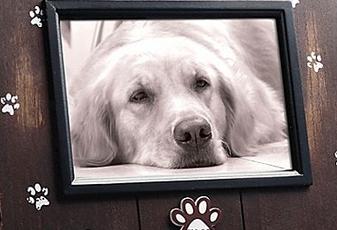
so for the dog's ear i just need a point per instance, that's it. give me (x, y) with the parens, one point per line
(92, 129)
(239, 116)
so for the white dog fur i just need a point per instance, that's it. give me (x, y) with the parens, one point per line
(243, 103)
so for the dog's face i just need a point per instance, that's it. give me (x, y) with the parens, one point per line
(168, 102)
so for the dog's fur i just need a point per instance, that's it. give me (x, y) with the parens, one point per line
(238, 58)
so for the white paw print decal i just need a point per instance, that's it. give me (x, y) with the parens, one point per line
(294, 2)
(195, 215)
(336, 156)
(36, 16)
(38, 196)
(9, 104)
(314, 61)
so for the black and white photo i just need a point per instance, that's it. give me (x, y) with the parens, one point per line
(155, 100)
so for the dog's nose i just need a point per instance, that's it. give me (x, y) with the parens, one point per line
(194, 133)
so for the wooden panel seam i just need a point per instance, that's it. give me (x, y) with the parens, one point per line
(138, 214)
(242, 212)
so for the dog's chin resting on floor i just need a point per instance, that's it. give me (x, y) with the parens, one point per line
(178, 94)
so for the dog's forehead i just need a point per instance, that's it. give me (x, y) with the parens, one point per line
(175, 55)
(165, 49)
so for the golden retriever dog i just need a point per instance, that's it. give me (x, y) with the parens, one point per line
(178, 94)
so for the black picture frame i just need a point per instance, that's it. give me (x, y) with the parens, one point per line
(89, 10)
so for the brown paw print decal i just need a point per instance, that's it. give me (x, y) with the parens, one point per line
(195, 215)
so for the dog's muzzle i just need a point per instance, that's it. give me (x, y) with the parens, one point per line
(193, 134)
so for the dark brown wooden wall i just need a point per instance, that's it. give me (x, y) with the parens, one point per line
(27, 149)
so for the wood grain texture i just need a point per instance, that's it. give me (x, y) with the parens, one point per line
(28, 139)
(28, 146)
(154, 209)
(314, 207)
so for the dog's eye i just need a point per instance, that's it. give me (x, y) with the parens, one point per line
(139, 97)
(200, 84)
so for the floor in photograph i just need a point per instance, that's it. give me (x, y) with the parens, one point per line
(272, 160)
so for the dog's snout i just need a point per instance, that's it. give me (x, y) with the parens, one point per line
(193, 133)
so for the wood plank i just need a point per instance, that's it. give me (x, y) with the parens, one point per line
(154, 209)
(29, 139)
(314, 207)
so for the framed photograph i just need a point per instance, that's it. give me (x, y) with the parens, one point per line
(161, 96)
